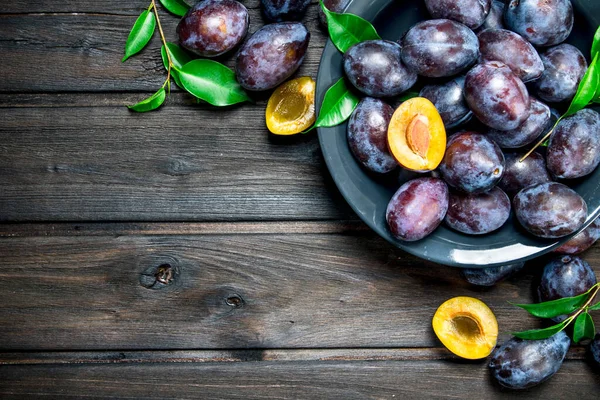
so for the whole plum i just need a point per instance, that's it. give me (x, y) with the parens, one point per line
(495, 18)
(337, 6)
(472, 163)
(550, 210)
(374, 67)
(521, 364)
(519, 175)
(439, 48)
(543, 23)
(472, 13)
(213, 27)
(564, 67)
(367, 135)
(583, 240)
(449, 100)
(574, 147)
(284, 10)
(497, 97)
(417, 208)
(271, 55)
(535, 125)
(565, 276)
(490, 276)
(479, 213)
(511, 49)
(595, 351)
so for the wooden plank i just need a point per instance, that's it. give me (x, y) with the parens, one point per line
(236, 356)
(285, 380)
(82, 52)
(231, 292)
(177, 164)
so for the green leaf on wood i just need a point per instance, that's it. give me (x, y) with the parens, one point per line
(554, 308)
(586, 90)
(584, 328)
(338, 104)
(346, 30)
(151, 103)
(177, 7)
(594, 307)
(178, 57)
(212, 82)
(140, 34)
(538, 334)
(596, 43)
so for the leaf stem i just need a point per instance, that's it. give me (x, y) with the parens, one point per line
(538, 144)
(587, 303)
(164, 41)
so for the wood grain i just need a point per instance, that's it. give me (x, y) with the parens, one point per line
(178, 164)
(286, 380)
(78, 52)
(231, 291)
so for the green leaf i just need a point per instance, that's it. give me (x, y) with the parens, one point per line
(408, 96)
(538, 334)
(178, 57)
(346, 30)
(596, 43)
(151, 103)
(584, 328)
(177, 7)
(554, 308)
(212, 82)
(140, 34)
(586, 90)
(594, 307)
(338, 104)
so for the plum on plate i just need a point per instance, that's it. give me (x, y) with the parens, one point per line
(538, 123)
(374, 67)
(564, 67)
(449, 100)
(472, 13)
(271, 55)
(521, 174)
(542, 22)
(367, 135)
(495, 18)
(478, 213)
(213, 27)
(583, 240)
(337, 6)
(521, 364)
(439, 48)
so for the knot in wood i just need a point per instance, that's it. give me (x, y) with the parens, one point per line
(235, 301)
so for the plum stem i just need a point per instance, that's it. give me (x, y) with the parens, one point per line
(164, 41)
(541, 142)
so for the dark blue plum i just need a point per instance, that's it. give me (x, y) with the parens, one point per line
(367, 135)
(538, 123)
(521, 364)
(583, 240)
(564, 67)
(472, 13)
(284, 10)
(595, 351)
(495, 18)
(542, 22)
(449, 100)
(472, 163)
(478, 213)
(490, 276)
(519, 175)
(337, 6)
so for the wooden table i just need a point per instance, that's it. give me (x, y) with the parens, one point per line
(187, 253)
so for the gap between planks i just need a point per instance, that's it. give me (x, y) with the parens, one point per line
(242, 355)
(8, 230)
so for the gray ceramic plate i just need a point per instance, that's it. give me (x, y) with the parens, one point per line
(369, 195)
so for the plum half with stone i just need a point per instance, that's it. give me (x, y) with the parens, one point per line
(467, 327)
(291, 107)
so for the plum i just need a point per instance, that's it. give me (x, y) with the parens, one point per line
(284, 10)
(519, 175)
(543, 23)
(574, 147)
(439, 48)
(477, 214)
(497, 97)
(550, 210)
(374, 67)
(495, 18)
(417, 208)
(511, 49)
(565, 276)
(564, 67)
(337, 6)
(213, 27)
(271, 55)
(472, 13)
(521, 364)
(472, 163)
(595, 351)
(490, 276)
(449, 100)
(538, 123)
(367, 135)
(582, 241)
